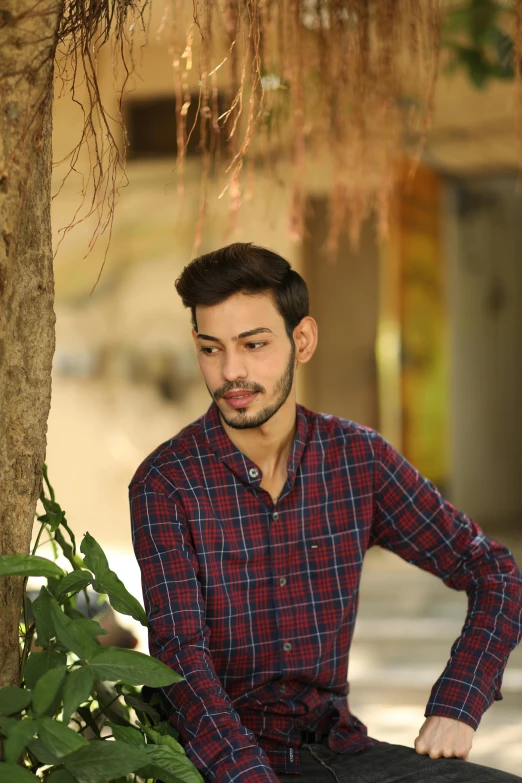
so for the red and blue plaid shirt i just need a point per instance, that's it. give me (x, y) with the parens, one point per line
(254, 604)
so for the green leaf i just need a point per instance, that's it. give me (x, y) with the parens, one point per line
(28, 565)
(95, 558)
(71, 534)
(134, 668)
(53, 583)
(38, 663)
(14, 699)
(169, 766)
(54, 520)
(58, 738)
(71, 612)
(70, 634)
(108, 582)
(6, 724)
(101, 761)
(60, 776)
(51, 506)
(166, 766)
(68, 550)
(163, 739)
(73, 583)
(139, 705)
(166, 727)
(92, 628)
(108, 699)
(45, 474)
(48, 690)
(78, 687)
(55, 517)
(19, 737)
(41, 609)
(127, 734)
(12, 773)
(43, 755)
(482, 19)
(87, 716)
(120, 598)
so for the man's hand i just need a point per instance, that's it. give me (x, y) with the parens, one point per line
(444, 738)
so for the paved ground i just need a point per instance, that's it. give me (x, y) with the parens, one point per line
(406, 625)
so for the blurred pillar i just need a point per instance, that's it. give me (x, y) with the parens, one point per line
(412, 344)
(341, 378)
(484, 247)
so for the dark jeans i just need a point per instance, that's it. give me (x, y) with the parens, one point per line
(386, 763)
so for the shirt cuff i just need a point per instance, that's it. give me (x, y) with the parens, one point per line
(465, 692)
(246, 766)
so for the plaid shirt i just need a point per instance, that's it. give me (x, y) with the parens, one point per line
(255, 604)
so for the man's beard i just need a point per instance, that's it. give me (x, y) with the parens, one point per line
(282, 388)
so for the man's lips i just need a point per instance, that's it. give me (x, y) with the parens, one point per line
(240, 398)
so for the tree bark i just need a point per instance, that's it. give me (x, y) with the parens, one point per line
(28, 38)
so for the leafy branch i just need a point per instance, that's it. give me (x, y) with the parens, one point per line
(477, 38)
(71, 720)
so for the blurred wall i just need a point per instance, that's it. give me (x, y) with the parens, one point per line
(341, 379)
(484, 250)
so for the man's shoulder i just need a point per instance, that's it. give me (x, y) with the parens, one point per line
(167, 460)
(327, 426)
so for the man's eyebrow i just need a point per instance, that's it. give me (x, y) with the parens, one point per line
(250, 333)
(208, 337)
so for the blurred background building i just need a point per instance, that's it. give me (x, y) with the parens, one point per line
(420, 338)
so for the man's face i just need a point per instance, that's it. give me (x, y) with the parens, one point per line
(246, 358)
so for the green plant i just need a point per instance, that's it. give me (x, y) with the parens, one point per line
(78, 716)
(476, 36)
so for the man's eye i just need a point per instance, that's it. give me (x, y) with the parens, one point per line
(254, 346)
(208, 350)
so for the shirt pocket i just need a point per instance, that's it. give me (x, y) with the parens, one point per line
(334, 569)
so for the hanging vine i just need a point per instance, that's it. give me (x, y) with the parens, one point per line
(349, 82)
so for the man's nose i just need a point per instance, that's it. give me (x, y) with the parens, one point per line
(234, 367)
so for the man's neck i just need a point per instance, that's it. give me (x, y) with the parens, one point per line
(269, 446)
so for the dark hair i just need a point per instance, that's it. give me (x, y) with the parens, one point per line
(248, 269)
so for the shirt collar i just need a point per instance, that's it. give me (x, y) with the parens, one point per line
(239, 463)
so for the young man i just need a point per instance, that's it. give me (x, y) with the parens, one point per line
(250, 527)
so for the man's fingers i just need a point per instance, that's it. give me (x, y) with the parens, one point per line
(462, 753)
(444, 738)
(434, 749)
(424, 748)
(436, 752)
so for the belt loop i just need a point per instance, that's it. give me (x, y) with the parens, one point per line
(315, 737)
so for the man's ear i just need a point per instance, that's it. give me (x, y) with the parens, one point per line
(305, 339)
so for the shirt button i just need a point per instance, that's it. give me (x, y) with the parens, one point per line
(253, 473)
(154, 609)
(282, 581)
(287, 646)
(275, 516)
(282, 689)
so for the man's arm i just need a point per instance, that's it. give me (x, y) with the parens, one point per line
(412, 519)
(214, 739)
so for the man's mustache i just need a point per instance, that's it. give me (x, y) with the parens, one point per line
(242, 385)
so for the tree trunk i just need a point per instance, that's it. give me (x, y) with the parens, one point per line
(28, 37)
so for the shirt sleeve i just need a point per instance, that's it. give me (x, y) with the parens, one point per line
(412, 519)
(219, 746)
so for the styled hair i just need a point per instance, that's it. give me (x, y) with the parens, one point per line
(247, 269)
